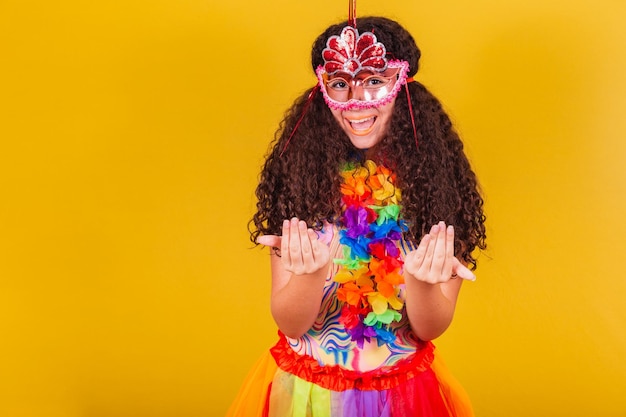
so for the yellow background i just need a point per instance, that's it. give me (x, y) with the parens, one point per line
(131, 136)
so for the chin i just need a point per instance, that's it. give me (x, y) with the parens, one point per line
(365, 128)
(363, 146)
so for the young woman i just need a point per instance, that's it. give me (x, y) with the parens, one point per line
(373, 214)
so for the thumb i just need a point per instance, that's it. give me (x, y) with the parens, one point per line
(270, 240)
(462, 271)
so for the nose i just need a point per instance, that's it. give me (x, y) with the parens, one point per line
(356, 90)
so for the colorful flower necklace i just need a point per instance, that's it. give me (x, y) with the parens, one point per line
(370, 272)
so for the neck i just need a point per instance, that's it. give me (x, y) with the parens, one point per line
(371, 153)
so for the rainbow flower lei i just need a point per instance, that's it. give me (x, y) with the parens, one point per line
(370, 272)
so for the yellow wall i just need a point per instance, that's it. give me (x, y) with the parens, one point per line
(131, 134)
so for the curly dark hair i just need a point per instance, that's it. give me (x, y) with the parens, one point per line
(435, 176)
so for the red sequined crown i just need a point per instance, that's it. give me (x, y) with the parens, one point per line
(350, 52)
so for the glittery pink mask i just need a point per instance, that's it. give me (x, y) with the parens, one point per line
(356, 73)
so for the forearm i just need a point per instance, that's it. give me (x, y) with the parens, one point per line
(296, 305)
(429, 310)
(298, 277)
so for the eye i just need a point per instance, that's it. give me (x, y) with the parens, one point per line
(375, 81)
(337, 84)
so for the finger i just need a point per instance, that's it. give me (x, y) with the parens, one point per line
(316, 248)
(415, 258)
(305, 245)
(284, 244)
(462, 271)
(270, 240)
(439, 254)
(430, 250)
(295, 246)
(449, 252)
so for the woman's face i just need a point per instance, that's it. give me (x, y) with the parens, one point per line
(365, 127)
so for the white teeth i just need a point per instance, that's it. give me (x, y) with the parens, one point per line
(361, 120)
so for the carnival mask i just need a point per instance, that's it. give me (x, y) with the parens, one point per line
(356, 73)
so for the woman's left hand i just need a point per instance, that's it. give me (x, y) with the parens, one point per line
(433, 261)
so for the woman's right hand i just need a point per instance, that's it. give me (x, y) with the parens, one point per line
(300, 248)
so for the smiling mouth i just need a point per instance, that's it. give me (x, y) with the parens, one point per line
(362, 126)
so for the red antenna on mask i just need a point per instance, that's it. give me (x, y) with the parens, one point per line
(352, 13)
